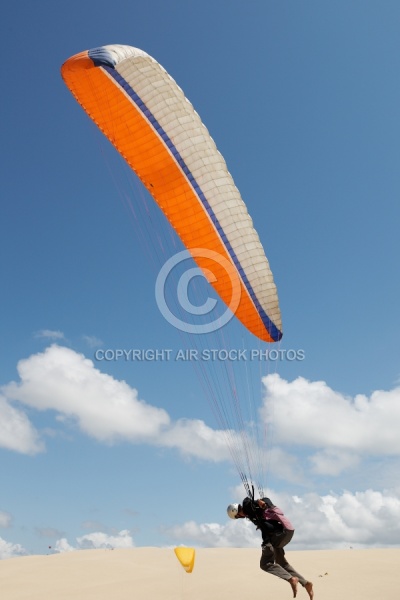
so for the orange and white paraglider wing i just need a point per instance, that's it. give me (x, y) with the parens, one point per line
(145, 114)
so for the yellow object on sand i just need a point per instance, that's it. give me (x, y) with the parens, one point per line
(186, 557)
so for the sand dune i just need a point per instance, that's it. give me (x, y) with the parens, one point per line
(152, 573)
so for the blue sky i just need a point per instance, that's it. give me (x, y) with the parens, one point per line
(302, 100)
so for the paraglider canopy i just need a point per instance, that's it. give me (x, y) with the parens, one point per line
(146, 116)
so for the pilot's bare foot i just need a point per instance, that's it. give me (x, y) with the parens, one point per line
(309, 588)
(293, 582)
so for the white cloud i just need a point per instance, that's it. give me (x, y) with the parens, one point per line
(104, 408)
(98, 539)
(62, 545)
(5, 519)
(62, 380)
(234, 534)
(310, 414)
(360, 519)
(16, 431)
(50, 334)
(195, 437)
(331, 461)
(334, 431)
(94, 525)
(48, 532)
(284, 465)
(10, 550)
(92, 341)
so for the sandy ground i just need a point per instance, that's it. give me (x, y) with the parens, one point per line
(219, 573)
